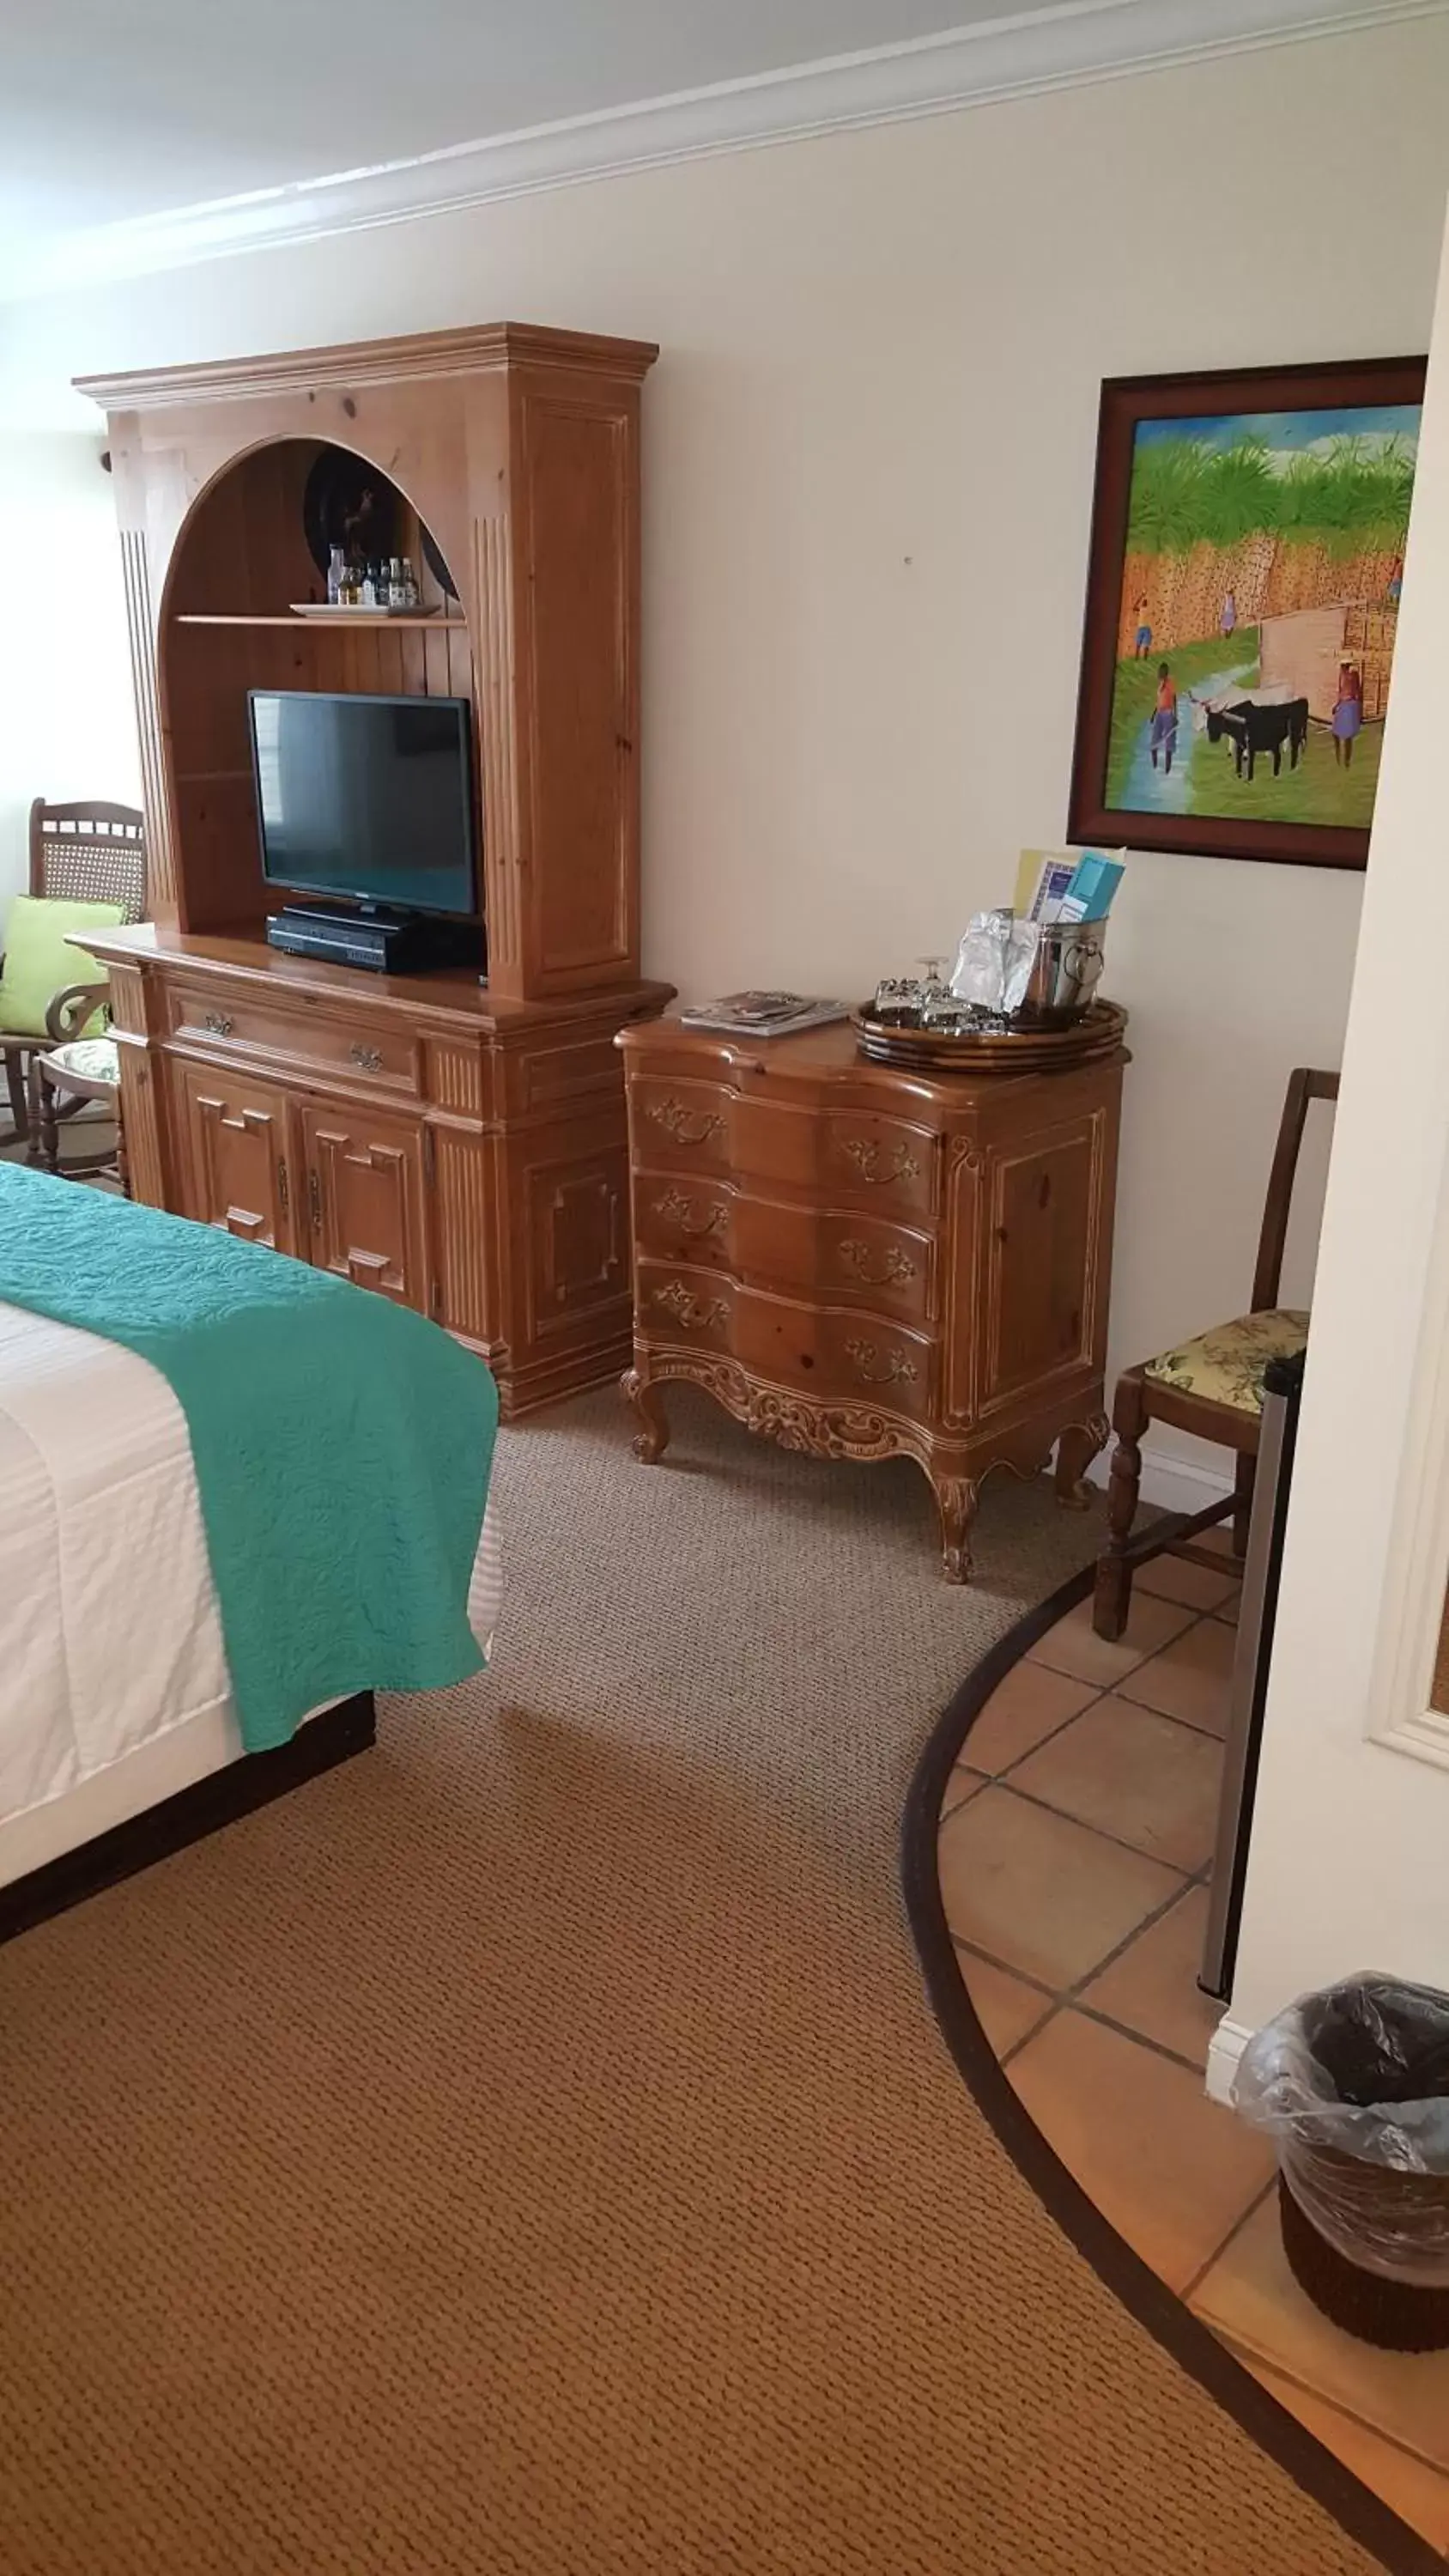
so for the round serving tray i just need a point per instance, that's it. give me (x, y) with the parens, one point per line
(1097, 1033)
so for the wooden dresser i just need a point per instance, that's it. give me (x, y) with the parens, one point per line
(867, 1263)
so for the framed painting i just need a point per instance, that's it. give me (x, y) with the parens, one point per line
(1247, 564)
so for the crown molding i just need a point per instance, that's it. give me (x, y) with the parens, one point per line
(1073, 43)
(480, 348)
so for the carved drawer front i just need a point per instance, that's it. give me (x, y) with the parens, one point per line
(678, 1219)
(683, 1125)
(858, 1156)
(294, 1033)
(673, 1303)
(836, 1253)
(839, 1358)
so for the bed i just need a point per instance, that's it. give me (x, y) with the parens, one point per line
(115, 1700)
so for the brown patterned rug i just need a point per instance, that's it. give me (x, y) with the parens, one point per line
(528, 2150)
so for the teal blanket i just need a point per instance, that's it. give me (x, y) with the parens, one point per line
(342, 1444)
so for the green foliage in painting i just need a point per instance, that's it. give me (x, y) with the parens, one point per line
(1353, 498)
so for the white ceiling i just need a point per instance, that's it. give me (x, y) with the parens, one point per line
(145, 134)
(112, 111)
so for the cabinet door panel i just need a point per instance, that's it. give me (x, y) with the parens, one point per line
(364, 1205)
(235, 1169)
(1042, 1267)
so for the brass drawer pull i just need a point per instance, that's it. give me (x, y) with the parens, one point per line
(897, 1367)
(691, 1311)
(314, 1199)
(676, 1209)
(678, 1122)
(896, 1266)
(284, 1186)
(367, 1059)
(864, 1153)
(218, 1023)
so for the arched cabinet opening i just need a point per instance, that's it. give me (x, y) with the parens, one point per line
(250, 558)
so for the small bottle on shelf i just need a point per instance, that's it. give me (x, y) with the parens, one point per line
(370, 583)
(395, 583)
(336, 575)
(409, 584)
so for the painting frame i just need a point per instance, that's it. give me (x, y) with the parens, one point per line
(1127, 401)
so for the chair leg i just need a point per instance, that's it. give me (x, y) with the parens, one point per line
(15, 1085)
(1113, 1595)
(1243, 1475)
(49, 1156)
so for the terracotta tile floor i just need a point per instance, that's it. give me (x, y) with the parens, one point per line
(1074, 1846)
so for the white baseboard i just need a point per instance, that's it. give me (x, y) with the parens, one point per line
(1224, 2050)
(1170, 1483)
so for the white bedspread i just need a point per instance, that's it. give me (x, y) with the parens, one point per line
(109, 1634)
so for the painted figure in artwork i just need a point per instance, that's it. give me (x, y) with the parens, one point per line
(1163, 736)
(1259, 602)
(1347, 712)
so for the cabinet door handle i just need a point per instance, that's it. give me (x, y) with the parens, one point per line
(314, 1199)
(284, 1186)
(367, 1059)
(218, 1023)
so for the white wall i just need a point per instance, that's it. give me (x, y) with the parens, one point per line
(66, 721)
(1351, 1837)
(868, 463)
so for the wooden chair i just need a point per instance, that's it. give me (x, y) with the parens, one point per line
(79, 853)
(1211, 1386)
(71, 1068)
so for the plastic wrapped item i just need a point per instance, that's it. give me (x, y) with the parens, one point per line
(1352, 2083)
(994, 962)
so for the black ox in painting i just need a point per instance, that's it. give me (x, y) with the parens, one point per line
(1254, 728)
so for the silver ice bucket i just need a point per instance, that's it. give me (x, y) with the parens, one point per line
(1065, 974)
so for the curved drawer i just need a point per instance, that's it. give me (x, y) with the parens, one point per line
(685, 1219)
(684, 1124)
(833, 1355)
(675, 1304)
(836, 1253)
(866, 1159)
(361, 1050)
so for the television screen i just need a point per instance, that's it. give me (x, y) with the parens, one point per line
(365, 797)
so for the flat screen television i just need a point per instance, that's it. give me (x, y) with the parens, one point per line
(369, 798)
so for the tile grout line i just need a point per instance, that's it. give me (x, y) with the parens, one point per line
(1044, 1807)
(1110, 1957)
(1125, 2030)
(988, 1958)
(1405, 2450)
(1191, 2288)
(994, 1778)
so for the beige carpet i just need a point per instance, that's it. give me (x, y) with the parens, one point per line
(528, 2150)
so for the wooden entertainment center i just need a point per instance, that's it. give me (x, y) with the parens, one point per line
(458, 1147)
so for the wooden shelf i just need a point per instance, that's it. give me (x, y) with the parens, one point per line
(332, 625)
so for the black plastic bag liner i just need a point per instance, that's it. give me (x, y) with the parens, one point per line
(1353, 2085)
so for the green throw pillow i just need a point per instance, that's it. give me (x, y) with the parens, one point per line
(39, 962)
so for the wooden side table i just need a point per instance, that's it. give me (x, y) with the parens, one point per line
(865, 1262)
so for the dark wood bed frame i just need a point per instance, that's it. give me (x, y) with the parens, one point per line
(192, 1813)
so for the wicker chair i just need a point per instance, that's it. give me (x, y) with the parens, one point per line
(79, 853)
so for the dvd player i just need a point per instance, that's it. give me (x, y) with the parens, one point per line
(382, 943)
